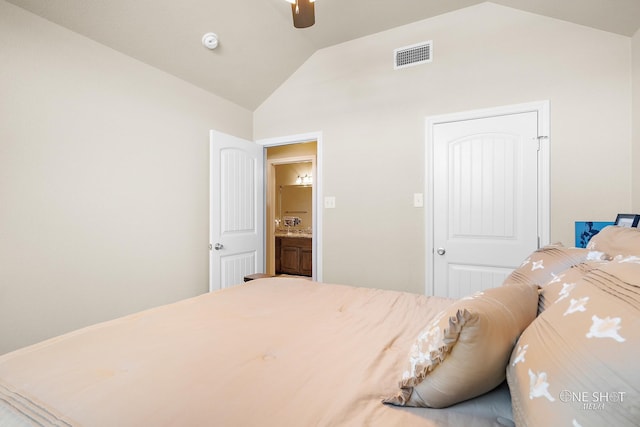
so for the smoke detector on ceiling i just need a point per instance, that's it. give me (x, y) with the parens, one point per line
(210, 40)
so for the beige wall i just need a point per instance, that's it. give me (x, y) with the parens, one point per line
(636, 122)
(104, 160)
(372, 122)
(103, 181)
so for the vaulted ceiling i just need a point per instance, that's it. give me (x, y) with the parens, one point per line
(259, 47)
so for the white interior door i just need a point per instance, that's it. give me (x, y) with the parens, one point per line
(485, 200)
(236, 210)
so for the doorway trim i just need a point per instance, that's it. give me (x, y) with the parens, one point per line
(317, 191)
(542, 109)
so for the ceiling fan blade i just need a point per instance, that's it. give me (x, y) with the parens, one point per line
(303, 13)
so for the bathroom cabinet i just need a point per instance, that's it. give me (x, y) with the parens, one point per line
(294, 255)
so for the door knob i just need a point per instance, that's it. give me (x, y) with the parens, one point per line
(441, 251)
(218, 246)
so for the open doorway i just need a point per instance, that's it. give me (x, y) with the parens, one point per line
(290, 243)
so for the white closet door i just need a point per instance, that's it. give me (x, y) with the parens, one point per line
(485, 208)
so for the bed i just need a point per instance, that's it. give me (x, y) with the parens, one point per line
(281, 352)
(292, 352)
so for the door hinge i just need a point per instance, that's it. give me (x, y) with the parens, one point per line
(540, 138)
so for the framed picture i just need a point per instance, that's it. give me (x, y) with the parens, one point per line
(585, 230)
(627, 220)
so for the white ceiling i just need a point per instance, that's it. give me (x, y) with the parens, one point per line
(259, 47)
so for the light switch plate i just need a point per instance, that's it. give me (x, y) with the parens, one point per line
(418, 200)
(329, 202)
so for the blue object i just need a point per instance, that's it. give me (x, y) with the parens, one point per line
(585, 230)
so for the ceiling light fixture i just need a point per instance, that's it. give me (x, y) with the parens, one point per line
(303, 12)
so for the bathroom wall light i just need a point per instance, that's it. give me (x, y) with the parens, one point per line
(305, 180)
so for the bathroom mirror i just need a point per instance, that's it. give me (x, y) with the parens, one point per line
(295, 201)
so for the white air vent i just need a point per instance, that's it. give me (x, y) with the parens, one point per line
(416, 54)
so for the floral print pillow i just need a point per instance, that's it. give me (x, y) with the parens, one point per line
(616, 241)
(463, 351)
(546, 263)
(559, 288)
(576, 364)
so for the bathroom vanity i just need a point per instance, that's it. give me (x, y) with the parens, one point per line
(294, 254)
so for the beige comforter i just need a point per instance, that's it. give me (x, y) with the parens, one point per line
(272, 352)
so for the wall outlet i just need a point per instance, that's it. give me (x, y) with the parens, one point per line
(418, 200)
(329, 202)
